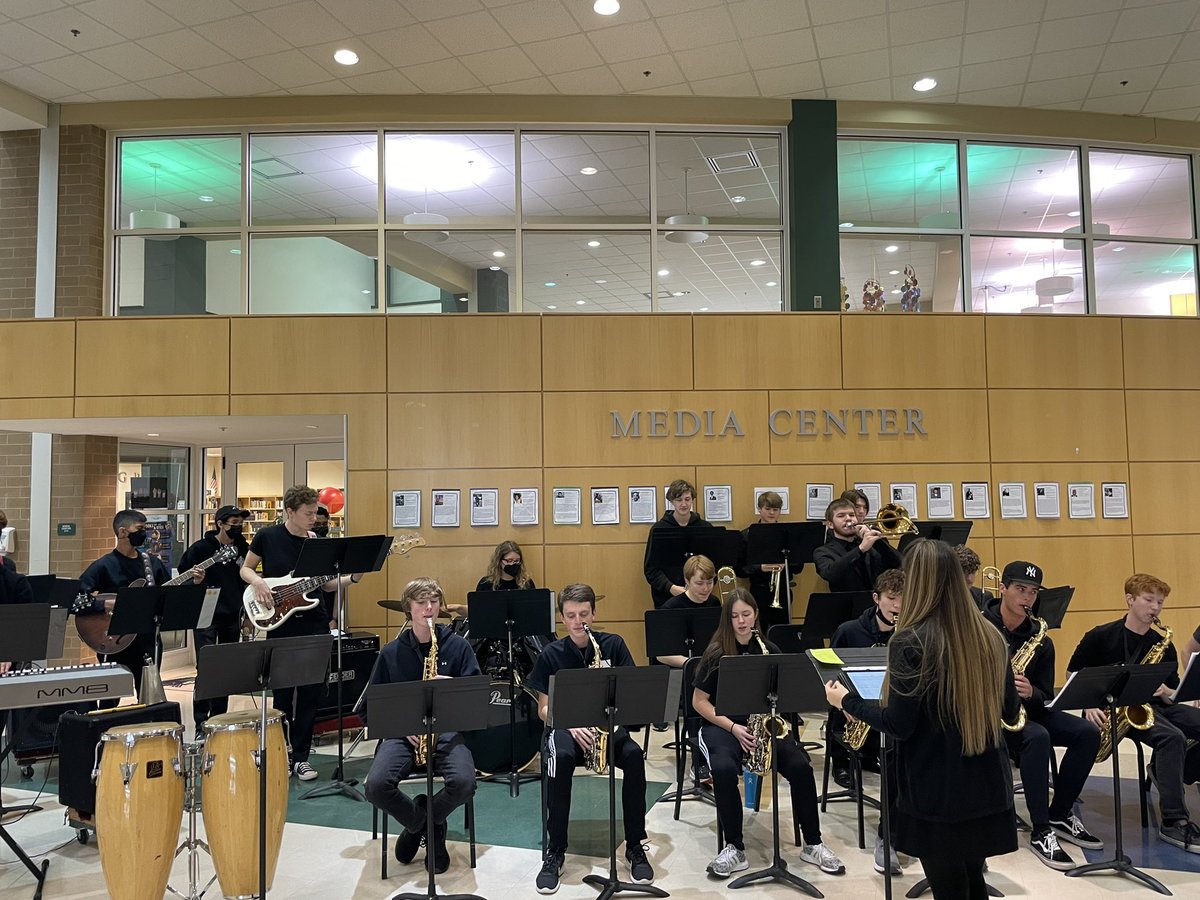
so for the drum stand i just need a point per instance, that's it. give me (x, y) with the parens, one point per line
(193, 755)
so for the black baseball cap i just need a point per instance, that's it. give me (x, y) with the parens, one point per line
(1021, 571)
(226, 511)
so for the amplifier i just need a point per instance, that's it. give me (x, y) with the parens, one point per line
(35, 731)
(360, 649)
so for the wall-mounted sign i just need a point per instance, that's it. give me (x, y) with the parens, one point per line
(66, 529)
(685, 423)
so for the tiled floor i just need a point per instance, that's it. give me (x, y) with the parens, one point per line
(335, 863)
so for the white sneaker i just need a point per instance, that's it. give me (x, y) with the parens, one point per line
(305, 772)
(822, 857)
(728, 861)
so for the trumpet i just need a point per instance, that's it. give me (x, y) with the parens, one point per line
(891, 520)
(775, 579)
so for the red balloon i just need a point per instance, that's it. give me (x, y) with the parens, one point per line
(332, 499)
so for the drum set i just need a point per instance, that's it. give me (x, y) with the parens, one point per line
(146, 776)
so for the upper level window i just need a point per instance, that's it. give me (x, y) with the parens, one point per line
(898, 184)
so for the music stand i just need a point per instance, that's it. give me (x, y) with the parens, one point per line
(258, 667)
(826, 611)
(152, 610)
(402, 708)
(511, 614)
(669, 549)
(753, 684)
(1051, 605)
(624, 695)
(950, 531)
(1110, 687)
(41, 586)
(790, 543)
(336, 557)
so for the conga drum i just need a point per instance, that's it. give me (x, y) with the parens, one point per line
(139, 807)
(229, 797)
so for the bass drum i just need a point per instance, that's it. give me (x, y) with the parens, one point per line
(490, 746)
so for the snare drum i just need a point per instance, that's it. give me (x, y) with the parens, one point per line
(490, 746)
(139, 807)
(229, 793)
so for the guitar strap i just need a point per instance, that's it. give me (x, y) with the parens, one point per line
(149, 568)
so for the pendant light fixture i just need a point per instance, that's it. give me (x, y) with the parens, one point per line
(426, 218)
(153, 218)
(687, 220)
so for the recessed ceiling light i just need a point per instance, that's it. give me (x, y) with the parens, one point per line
(593, 243)
(236, 251)
(945, 252)
(924, 84)
(891, 248)
(1074, 214)
(499, 254)
(551, 284)
(494, 268)
(205, 198)
(704, 309)
(345, 57)
(580, 302)
(894, 272)
(676, 293)
(601, 281)
(738, 199)
(663, 273)
(758, 262)
(772, 284)
(366, 291)
(551, 306)
(606, 7)
(1118, 249)
(896, 291)
(588, 170)
(845, 225)
(313, 427)
(152, 434)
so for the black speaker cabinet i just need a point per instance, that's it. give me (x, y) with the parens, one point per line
(360, 649)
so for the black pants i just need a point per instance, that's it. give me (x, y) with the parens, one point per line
(725, 758)
(299, 705)
(563, 755)
(452, 762)
(954, 878)
(218, 633)
(1033, 745)
(1173, 727)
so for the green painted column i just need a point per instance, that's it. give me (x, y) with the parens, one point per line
(813, 206)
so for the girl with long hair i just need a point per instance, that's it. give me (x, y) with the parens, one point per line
(506, 570)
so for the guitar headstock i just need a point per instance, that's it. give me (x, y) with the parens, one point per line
(404, 543)
(81, 603)
(225, 554)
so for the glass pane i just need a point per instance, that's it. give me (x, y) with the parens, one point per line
(730, 179)
(1145, 279)
(1031, 275)
(154, 477)
(585, 177)
(464, 178)
(323, 473)
(198, 180)
(726, 273)
(586, 272)
(898, 184)
(1022, 188)
(260, 490)
(313, 179)
(901, 273)
(1139, 193)
(179, 276)
(445, 276)
(313, 273)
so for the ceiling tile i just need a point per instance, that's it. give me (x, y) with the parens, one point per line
(790, 80)
(182, 84)
(302, 24)
(740, 85)
(845, 38)
(925, 55)
(79, 72)
(1065, 9)
(587, 20)
(1173, 98)
(495, 66)
(368, 59)
(243, 36)
(470, 34)
(57, 26)
(131, 61)
(866, 90)
(781, 49)
(927, 23)
(713, 62)
(1056, 90)
(536, 20)
(288, 69)
(598, 80)
(702, 28)
(626, 42)
(1122, 105)
(1065, 64)
(669, 90)
(411, 45)
(185, 49)
(999, 43)
(189, 12)
(1004, 96)
(1180, 74)
(27, 46)
(234, 78)
(983, 15)
(368, 16)
(122, 92)
(1081, 31)
(663, 70)
(37, 83)
(539, 85)
(1143, 78)
(1129, 54)
(1158, 20)
(430, 10)
(563, 54)
(825, 12)
(19, 9)
(441, 77)
(387, 82)
(753, 18)
(999, 73)
(853, 69)
(129, 18)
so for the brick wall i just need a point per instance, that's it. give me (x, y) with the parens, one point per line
(14, 490)
(18, 222)
(80, 289)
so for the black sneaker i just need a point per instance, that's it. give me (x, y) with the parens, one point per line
(1183, 834)
(842, 777)
(1044, 844)
(441, 855)
(1072, 830)
(640, 871)
(407, 845)
(552, 867)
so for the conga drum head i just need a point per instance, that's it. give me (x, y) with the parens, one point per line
(242, 718)
(490, 747)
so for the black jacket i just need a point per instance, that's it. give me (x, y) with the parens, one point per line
(404, 658)
(1040, 671)
(861, 632)
(226, 576)
(847, 569)
(1114, 644)
(659, 578)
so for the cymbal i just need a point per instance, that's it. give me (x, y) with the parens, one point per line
(394, 606)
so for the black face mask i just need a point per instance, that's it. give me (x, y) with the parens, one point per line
(137, 538)
(512, 569)
(321, 530)
(234, 532)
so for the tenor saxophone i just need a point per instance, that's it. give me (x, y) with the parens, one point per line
(596, 759)
(428, 673)
(1141, 717)
(1021, 660)
(763, 726)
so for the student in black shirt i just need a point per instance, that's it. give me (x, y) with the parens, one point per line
(955, 803)
(1127, 641)
(1044, 729)
(404, 660)
(225, 627)
(321, 525)
(14, 588)
(770, 505)
(853, 555)
(666, 582)
(118, 569)
(699, 576)
(1193, 645)
(506, 572)
(726, 741)
(862, 503)
(565, 747)
(276, 548)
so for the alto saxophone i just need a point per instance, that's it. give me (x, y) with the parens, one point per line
(596, 759)
(1138, 717)
(764, 726)
(1021, 660)
(428, 673)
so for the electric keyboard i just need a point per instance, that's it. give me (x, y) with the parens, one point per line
(65, 684)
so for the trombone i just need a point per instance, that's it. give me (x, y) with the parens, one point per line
(891, 520)
(989, 581)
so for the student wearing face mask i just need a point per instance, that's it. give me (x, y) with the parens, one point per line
(506, 572)
(226, 577)
(321, 526)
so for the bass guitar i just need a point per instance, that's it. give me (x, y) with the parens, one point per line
(288, 593)
(93, 626)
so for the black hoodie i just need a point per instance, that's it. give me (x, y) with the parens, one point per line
(660, 579)
(1040, 671)
(225, 576)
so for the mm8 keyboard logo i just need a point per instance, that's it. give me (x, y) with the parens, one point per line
(83, 690)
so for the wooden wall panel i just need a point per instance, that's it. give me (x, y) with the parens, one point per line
(464, 353)
(369, 513)
(151, 404)
(366, 419)
(1162, 497)
(614, 570)
(1096, 473)
(928, 351)
(1160, 353)
(354, 346)
(955, 423)
(1057, 426)
(180, 355)
(428, 480)
(1053, 352)
(1096, 566)
(464, 431)
(621, 478)
(1154, 419)
(55, 408)
(748, 352)
(39, 358)
(579, 429)
(923, 475)
(744, 479)
(1173, 560)
(617, 353)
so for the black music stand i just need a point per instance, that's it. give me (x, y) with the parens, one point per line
(949, 531)
(775, 685)
(826, 611)
(1051, 605)
(670, 548)
(1110, 687)
(511, 614)
(258, 667)
(153, 610)
(41, 585)
(336, 557)
(621, 695)
(411, 707)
